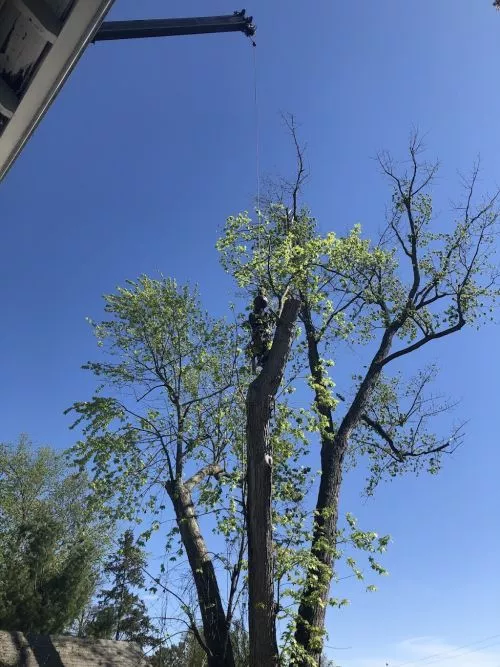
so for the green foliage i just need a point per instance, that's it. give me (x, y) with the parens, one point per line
(418, 283)
(417, 280)
(51, 544)
(271, 254)
(167, 414)
(170, 409)
(169, 406)
(188, 653)
(120, 612)
(350, 545)
(395, 432)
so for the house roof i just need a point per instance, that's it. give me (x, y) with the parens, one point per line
(40, 43)
(20, 650)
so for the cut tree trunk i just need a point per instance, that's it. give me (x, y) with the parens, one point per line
(260, 401)
(215, 627)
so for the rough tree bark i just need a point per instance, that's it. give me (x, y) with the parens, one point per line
(216, 636)
(260, 400)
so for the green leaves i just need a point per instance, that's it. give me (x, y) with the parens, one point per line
(323, 269)
(51, 541)
(169, 375)
(162, 435)
(173, 379)
(396, 434)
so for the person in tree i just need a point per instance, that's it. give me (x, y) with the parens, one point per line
(261, 323)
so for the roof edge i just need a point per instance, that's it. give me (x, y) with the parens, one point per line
(78, 30)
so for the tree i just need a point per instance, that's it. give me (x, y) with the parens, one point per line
(417, 284)
(173, 422)
(170, 425)
(187, 652)
(260, 400)
(179, 392)
(51, 544)
(120, 613)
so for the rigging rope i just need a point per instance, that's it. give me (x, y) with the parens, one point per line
(257, 140)
(257, 123)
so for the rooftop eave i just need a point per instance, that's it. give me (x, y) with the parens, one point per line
(67, 47)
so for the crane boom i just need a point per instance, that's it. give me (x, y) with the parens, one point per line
(237, 22)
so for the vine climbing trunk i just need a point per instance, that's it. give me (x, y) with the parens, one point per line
(260, 399)
(315, 595)
(215, 627)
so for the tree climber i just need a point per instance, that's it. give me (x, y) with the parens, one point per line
(261, 323)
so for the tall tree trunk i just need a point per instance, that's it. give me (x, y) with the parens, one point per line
(314, 600)
(311, 613)
(260, 401)
(215, 626)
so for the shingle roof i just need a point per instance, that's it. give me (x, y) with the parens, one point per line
(20, 650)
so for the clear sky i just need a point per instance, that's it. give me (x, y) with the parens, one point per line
(152, 144)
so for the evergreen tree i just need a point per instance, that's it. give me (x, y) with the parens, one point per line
(120, 613)
(50, 543)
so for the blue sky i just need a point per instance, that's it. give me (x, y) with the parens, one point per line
(152, 144)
